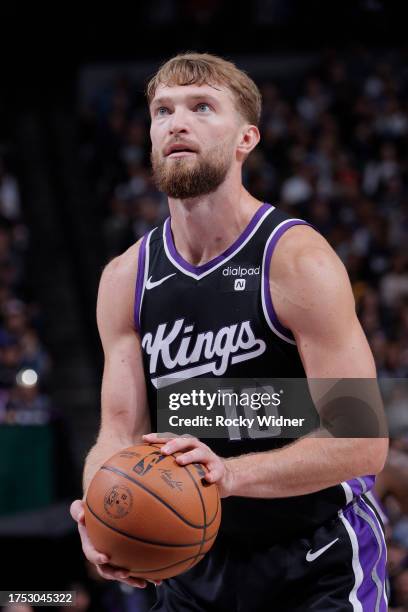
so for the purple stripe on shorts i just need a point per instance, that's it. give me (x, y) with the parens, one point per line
(361, 485)
(267, 293)
(355, 486)
(139, 282)
(373, 562)
(378, 506)
(371, 556)
(213, 262)
(369, 482)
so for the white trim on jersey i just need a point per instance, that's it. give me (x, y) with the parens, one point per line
(264, 308)
(146, 272)
(220, 263)
(174, 377)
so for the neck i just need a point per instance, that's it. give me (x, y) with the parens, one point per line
(206, 226)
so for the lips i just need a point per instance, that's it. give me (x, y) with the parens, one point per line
(179, 147)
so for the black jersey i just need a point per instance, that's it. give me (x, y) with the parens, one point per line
(218, 320)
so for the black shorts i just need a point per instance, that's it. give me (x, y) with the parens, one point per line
(341, 567)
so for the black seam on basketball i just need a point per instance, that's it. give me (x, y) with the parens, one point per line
(216, 513)
(160, 569)
(143, 486)
(204, 515)
(207, 483)
(153, 542)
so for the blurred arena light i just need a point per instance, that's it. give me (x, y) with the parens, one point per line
(27, 378)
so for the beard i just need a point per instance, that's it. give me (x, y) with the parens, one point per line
(186, 178)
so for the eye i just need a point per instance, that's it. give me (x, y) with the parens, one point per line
(203, 107)
(161, 111)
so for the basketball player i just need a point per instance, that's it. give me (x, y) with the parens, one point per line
(297, 532)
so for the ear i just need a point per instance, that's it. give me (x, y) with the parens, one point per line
(249, 138)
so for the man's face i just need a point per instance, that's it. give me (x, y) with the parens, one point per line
(194, 132)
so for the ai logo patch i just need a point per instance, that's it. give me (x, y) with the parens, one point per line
(239, 284)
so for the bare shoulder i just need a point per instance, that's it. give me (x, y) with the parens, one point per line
(306, 274)
(302, 255)
(123, 268)
(117, 290)
(301, 249)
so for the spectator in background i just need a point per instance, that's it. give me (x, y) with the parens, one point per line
(9, 195)
(27, 416)
(394, 284)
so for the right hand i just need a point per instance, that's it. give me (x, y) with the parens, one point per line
(109, 572)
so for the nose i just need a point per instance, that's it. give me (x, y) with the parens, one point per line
(178, 122)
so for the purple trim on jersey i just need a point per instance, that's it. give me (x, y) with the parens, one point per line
(267, 293)
(213, 262)
(139, 282)
(371, 555)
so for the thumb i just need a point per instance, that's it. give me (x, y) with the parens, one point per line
(77, 511)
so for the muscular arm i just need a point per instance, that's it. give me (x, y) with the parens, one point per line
(124, 417)
(312, 297)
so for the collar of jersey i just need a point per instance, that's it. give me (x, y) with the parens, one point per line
(198, 272)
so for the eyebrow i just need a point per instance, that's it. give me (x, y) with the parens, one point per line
(166, 99)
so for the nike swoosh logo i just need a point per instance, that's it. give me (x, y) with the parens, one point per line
(152, 284)
(311, 556)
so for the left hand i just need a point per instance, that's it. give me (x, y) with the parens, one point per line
(196, 452)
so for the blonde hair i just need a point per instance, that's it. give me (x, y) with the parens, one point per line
(202, 68)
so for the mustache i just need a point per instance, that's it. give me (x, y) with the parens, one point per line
(179, 144)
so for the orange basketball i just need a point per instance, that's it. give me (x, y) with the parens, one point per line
(151, 515)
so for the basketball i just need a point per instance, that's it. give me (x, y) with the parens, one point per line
(151, 515)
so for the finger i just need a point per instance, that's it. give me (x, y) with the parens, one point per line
(132, 581)
(215, 472)
(90, 552)
(197, 455)
(77, 510)
(109, 572)
(139, 583)
(159, 437)
(213, 475)
(146, 580)
(179, 444)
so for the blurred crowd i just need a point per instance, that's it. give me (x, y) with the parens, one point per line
(24, 361)
(333, 151)
(33, 439)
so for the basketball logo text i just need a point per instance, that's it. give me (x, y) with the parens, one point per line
(166, 476)
(118, 501)
(147, 463)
